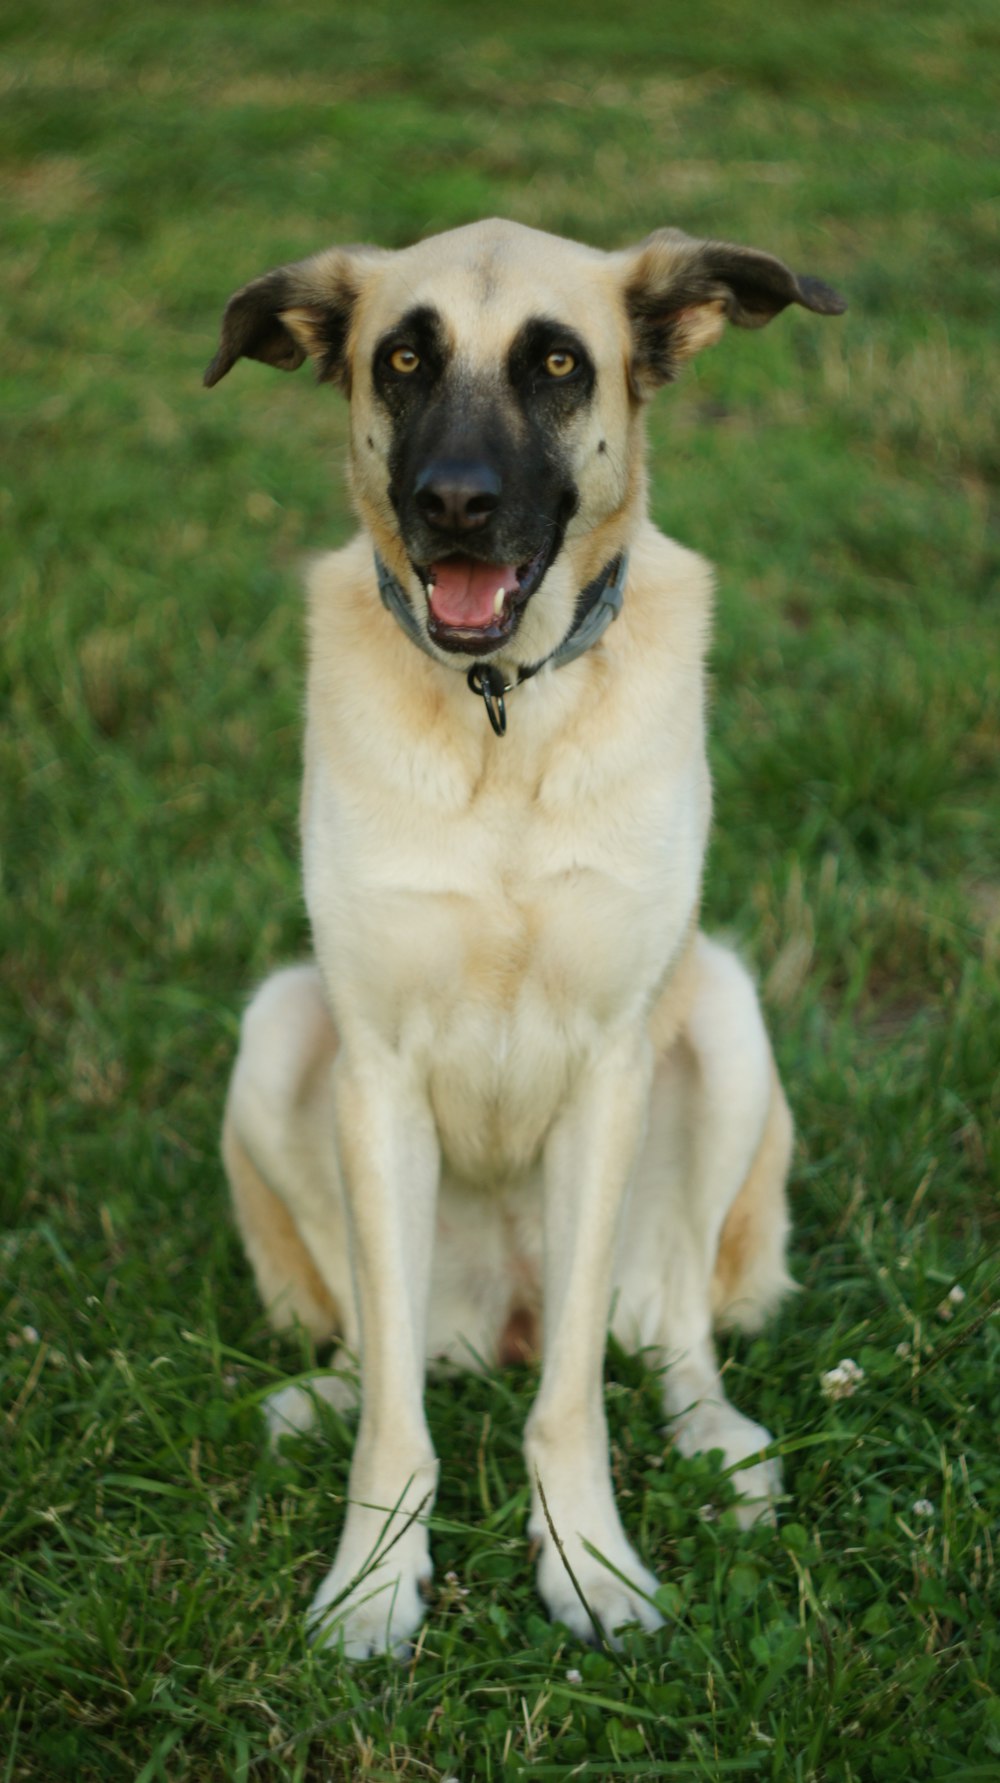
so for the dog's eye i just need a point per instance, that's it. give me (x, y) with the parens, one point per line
(404, 360)
(559, 365)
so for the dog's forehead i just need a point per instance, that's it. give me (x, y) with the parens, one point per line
(489, 278)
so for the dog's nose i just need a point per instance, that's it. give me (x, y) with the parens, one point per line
(456, 496)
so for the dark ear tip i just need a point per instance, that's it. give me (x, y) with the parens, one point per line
(821, 298)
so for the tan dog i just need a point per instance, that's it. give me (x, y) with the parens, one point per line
(519, 1090)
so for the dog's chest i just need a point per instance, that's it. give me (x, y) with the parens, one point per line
(495, 942)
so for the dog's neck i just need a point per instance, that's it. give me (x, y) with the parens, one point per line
(596, 606)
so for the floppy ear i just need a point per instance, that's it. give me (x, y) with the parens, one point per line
(680, 293)
(295, 313)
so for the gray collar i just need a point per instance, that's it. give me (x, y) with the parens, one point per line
(596, 606)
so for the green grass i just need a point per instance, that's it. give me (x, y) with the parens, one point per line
(843, 477)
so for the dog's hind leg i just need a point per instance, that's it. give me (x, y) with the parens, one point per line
(278, 1149)
(705, 1233)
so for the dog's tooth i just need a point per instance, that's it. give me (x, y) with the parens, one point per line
(498, 600)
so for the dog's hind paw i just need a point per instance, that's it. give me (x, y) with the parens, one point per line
(711, 1426)
(759, 1489)
(292, 1410)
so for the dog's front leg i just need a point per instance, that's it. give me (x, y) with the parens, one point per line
(390, 1163)
(588, 1161)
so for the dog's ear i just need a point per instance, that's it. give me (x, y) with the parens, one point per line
(297, 312)
(680, 293)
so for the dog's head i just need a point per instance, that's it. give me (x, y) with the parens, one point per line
(496, 378)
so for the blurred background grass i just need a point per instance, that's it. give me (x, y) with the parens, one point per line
(843, 478)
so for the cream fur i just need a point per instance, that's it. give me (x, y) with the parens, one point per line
(517, 1080)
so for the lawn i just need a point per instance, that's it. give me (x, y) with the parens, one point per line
(843, 476)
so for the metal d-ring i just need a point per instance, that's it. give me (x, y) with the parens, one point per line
(485, 679)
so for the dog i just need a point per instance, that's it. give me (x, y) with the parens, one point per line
(519, 1094)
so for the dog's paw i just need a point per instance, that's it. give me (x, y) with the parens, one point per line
(615, 1594)
(292, 1410)
(381, 1611)
(710, 1426)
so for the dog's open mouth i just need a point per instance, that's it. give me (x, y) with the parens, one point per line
(475, 607)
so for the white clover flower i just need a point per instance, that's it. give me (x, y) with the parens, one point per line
(573, 1676)
(707, 1513)
(922, 1507)
(903, 1349)
(956, 1295)
(840, 1382)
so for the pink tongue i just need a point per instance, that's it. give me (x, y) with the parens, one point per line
(464, 593)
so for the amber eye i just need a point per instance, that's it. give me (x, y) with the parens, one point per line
(559, 365)
(404, 360)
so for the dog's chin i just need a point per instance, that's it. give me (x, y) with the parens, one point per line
(474, 608)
